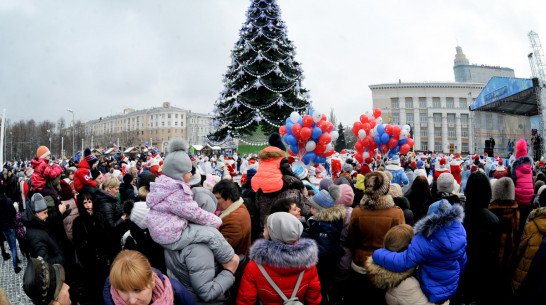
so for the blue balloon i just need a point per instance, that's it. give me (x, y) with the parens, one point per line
(311, 112)
(391, 154)
(315, 134)
(288, 120)
(380, 129)
(402, 141)
(300, 121)
(294, 148)
(285, 138)
(291, 140)
(306, 161)
(385, 138)
(376, 139)
(322, 159)
(289, 127)
(395, 149)
(317, 160)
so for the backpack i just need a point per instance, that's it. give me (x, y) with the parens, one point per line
(293, 299)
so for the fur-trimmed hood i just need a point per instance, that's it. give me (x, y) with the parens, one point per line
(271, 152)
(393, 167)
(522, 160)
(536, 213)
(376, 202)
(432, 223)
(302, 254)
(383, 278)
(331, 214)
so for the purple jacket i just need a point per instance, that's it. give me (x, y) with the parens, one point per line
(171, 207)
(522, 174)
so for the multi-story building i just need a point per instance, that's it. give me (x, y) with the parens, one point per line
(199, 127)
(436, 111)
(154, 126)
(466, 72)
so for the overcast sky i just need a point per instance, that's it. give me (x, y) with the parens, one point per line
(99, 57)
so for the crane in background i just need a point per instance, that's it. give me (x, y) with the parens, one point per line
(538, 62)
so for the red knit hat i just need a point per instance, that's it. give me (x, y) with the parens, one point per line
(521, 148)
(443, 161)
(500, 161)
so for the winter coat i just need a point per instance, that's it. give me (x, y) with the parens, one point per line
(402, 287)
(508, 214)
(127, 192)
(88, 233)
(452, 198)
(283, 263)
(40, 242)
(147, 246)
(409, 174)
(195, 261)
(464, 178)
(236, 227)
(181, 294)
(398, 174)
(7, 213)
(325, 228)
(532, 290)
(268, 177)
(535, 230)
(68, 221)
(522, 175)
(83, 176)
(456, 171)
(345, 262)
(111, 211)
(369, 223)
(171, 207)
(43, 172)
(438, 248)
(438, 171)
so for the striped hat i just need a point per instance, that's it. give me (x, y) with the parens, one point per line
(326, 199)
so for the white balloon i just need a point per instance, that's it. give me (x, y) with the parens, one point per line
(403, 134)
(361, 134)
(294, 117)
(365, 155)
(334, 134)
(379, 120)
(310, 146)
(406, 128)
(328, 147)
(373, 131)
(317, 116)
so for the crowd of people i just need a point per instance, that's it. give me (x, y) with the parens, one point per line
(184, 229)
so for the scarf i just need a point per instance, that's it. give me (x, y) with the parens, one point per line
(161, 295)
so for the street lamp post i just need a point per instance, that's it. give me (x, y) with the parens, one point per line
(72, 111)
(11, 145)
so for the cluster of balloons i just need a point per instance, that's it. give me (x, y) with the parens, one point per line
(309, 137)
(371, 133)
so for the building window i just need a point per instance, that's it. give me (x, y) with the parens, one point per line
(409, 117)
(437, 146)
(451, 133)
(175, 123)
(394, 103)
(168, 131)
(181, 116)
(168, 116)
(162, 123)
(424, 117)
(424, 145)
(464, 119)
(422, 103)
(451, 118)
(464, 132)
(409, 103)
(176, 116)
(450, 103)
(464, 147)
(437, 118)
(436, 102)
(462, 103)
(437, 132)
(396, 118)
(424, 132)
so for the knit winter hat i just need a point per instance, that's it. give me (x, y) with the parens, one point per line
(37, 203)
(521, 148)
(66, 191)
(395, 190)
(275, 139)
(347, 167)
(445, 183)
(250, 174)
(347, 195)
(139, 213)
(211, 181)
(177, 163)
(325, 183)
(127, 178)
(195, 179)
(420, 164)
(43, 282)
(439, 207)
(377, 183)
(395, 160)
(42, 152)
(89, 157)
(284, 228)
(398, 238)
(503, 189)
(326, 198)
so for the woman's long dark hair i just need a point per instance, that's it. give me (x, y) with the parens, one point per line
(478, 190)
(418, 194)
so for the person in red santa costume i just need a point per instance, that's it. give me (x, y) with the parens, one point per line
(501, 171)
(335, 167)
(230, 164)
(455, 167)
(442, 168)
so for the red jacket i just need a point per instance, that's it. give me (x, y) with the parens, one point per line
(42, 173)
(283, 263)
(83, 176)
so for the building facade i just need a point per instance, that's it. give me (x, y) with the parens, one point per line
(466, 72)
(153, 126)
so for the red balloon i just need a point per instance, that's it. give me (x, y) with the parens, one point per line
(358, 157)
(372, 123)
(282, 130)
(385, 148)
(404, 149)
(323, 118)
(377, 112)
(364, 119)
(393, 142)
(330, 127)
(373, 145)
(388, 129)
(359, 146)
(368, 160)
(325, 139)
(372, 153)
(367, 127)
(366, 142)
(307, 120)
(322, 125)
(396, 131)
(410, 142)
(305, 133)
(409, 135)
(296, 130)
(357, 126)
(329, 153)
(319, 149)
(355, 132)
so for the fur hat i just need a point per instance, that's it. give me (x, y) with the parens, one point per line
(276, 140)
(43, 282)
(445, 183)
(37, 203)
(325, 183)
(521, 148)
(177, 163)
(377, 183)
(326, 198)
(347, 195)
(503, 189)
(439, 207)
(395, 190)
(42, 152)
(211, 181)
(347, 167)
(284, 228)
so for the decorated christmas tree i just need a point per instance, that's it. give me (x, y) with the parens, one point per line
(263, 82)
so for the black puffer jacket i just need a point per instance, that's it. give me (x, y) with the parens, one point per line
(111, 210)
(7, 213)
(40, 241)
(89, 232)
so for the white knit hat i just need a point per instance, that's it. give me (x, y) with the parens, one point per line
(139, 213)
